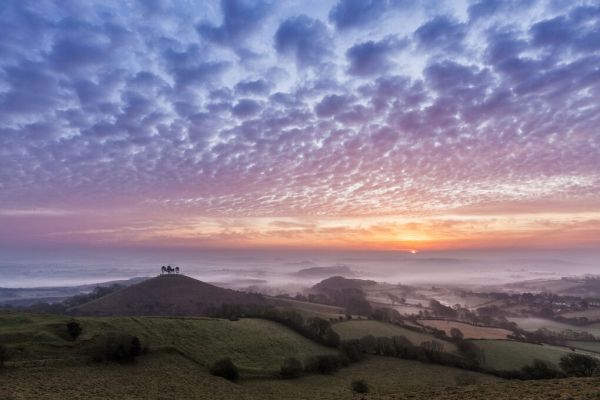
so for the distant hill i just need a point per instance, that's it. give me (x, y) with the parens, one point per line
(322, 272)
(166, 295)
(23, 297)
(339, 283)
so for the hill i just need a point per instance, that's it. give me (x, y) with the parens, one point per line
(166, 295)
(256, 346)
(341, 283)
(323, 272)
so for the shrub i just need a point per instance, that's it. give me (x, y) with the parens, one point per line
(4, 355)
(360, 386)
(117, 347)
(456, 334)
(225, 368)
(74, 329)
(579, 365)
(291, 368)
(325, 364)
(540, 370)
(352, 350)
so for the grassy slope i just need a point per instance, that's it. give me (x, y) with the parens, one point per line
(590, 346)
(510, 355)
(532, 324)
(469, 331)
(169, 376)
(356, 329)
(309, 310)
(252, 344)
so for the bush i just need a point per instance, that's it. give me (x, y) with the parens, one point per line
(225, 368)
(74, 329)
(291, 368)
(456, 334)
(4, 355)
(540, 370)
(579, 365)
(119, 347)
(325, 364)
(352, 349)
(360, 386)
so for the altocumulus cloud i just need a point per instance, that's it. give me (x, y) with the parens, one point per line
(157, 104)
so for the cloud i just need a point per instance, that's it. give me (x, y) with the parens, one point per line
(442, 33)
(240, 18)
(356, 13)
(305, 39)
(125, 106)
(372, 58)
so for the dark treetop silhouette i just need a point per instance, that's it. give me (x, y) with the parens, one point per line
(168, 270)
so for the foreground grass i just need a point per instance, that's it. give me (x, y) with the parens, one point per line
(166, 375)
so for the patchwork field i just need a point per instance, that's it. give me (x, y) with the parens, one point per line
(532, 324)
(314, 310)
(356, 329)
(469, 331)
(592, 315)
(589, 346)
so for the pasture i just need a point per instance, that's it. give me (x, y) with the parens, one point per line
(533, 324)
(469, 331)
(356, 329)
(505, 355)
(256, 346)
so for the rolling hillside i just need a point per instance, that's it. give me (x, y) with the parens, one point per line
(356, 329)
(166, 295)
(257, 346)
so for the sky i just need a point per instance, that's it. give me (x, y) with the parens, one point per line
(343, 124)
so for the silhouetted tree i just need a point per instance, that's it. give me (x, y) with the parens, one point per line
(456, 334)
(4, 355)
(225, 368)
(579, 365)
(118, 347)
(540, 369)
(74, 329)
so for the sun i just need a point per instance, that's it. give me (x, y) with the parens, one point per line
(413, 252)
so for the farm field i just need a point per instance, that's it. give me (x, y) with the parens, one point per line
(314, 309)
(256, 346)
(533, 324)
(356, 329)
(590, 346)
(469, 331)
(170, 376)
(592, 315)
(507, 355)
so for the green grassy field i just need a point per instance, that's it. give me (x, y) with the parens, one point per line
(356, 329)
(511, 355)
(590, 346)
(533, 324)
(254, 345)
(309, 310)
